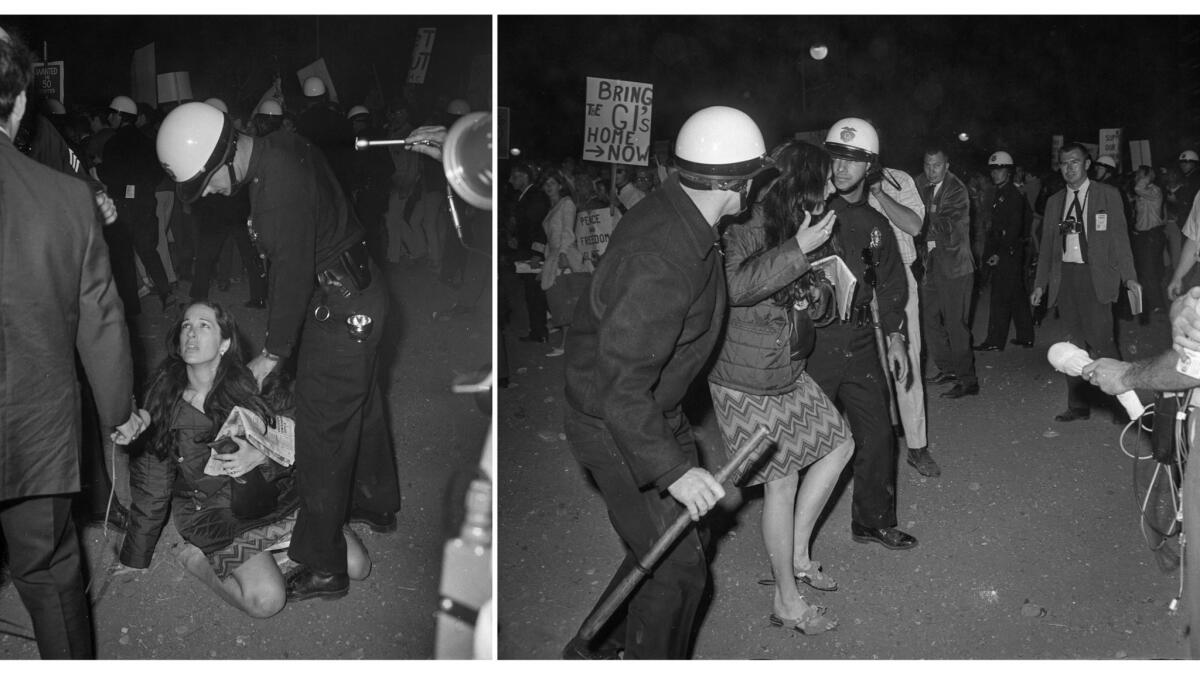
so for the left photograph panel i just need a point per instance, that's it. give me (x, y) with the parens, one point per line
(245, 411)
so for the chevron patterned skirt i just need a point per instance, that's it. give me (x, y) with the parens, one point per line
(803, 425)
(250, 543)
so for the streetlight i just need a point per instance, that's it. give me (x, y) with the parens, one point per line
(817, 52)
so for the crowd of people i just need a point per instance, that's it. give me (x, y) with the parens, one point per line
(730, 262)
(265, 458)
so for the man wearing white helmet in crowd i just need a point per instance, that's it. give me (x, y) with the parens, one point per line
(1007, 241)
(949, 274)
(267, 118)
(641, 335)
(1188, 163)
(845, 359)
(1105, 169)
(327, 306)
(895, 196)
(370, 171)
(131, 174)
(323, 122)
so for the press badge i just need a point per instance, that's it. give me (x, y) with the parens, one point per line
(130, 191)
(1101, 221)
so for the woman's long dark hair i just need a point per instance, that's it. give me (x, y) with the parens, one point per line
(233, 385)
(799, 189)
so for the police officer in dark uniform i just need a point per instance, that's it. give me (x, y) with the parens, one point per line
(328, 303)
(1007, 240)
(131, 176)
(845, 359)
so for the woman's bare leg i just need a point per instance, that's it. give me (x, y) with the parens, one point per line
(256, 587)
(358, 562)
(779, 497)
(813, 495)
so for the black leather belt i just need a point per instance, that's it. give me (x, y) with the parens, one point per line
(349, 272)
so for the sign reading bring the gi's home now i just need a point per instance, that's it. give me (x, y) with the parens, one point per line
(616, 126)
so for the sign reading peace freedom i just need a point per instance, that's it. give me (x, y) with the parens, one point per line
(616, 127)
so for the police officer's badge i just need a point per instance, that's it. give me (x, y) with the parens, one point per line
(876, 238)
(847, 134)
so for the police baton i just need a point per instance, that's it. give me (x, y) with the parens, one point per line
(880, 343)
(604, 611)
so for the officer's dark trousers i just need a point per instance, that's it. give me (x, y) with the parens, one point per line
(658, 619)
(535, 305)
(344, 455)
(119, 239)
(143, 226)
(1089, 324)
(947, 309)
(845, 363)
(210, 238)
(1148, 262)
(44, 558)
(1009, 302)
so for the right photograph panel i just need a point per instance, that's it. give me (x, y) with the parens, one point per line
(847, 337)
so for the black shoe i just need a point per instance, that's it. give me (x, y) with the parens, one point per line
(380, 523)
(922, 461)
(1028, 344)
(1073, 414)
(579, 650)
(888, 537)
(255, 304)
(304, 582)
(533, 338)
(959, 391)
(118, 517)
(988, 347)
(941, 378)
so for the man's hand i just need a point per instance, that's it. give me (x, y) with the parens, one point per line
(427, 141)
(128, 432)
(1035, 298)
(898, 357)
(261, 366)
(1185, 325)
(698, 491)
(1108, 374)
(107, 208)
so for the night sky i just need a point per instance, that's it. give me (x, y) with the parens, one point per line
(234, 57)
(1008, 81)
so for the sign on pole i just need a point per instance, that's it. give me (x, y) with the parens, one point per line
(422, 50)
(318, 69)
(145, 75)
(616, 127)
(1110, 144)
(1139, 153)
(1056, 143)
(174, 87)
(48, 78)
(502, 131)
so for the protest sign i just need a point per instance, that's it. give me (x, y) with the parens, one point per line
(617, 121)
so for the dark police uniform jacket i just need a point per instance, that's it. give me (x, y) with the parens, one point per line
(57, 297)
(301, 222)
(860, 227)
(646, 328)
(1011, 221)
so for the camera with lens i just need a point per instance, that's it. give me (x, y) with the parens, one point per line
(1070, 225)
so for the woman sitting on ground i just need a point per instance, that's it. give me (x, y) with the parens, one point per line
(190, 396)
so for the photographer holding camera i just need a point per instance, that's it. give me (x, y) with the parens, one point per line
(1085, 261)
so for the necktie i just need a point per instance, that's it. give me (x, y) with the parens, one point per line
(1076, 210)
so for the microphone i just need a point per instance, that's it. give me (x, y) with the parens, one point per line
(1070, 360)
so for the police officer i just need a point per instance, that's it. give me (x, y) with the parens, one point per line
(845, 360)
(1007, 239)
(328, 303)
(130, 174)
(642, 334)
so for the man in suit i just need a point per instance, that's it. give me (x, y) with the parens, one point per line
(1085, 258)
(59, 290)
(949, 275)
(525, 227)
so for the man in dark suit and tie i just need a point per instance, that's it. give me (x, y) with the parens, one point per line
(58, 296)
(1085, 259)
(949, 275)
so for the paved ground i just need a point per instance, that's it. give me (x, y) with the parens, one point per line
(1029, 542)
(438, 435)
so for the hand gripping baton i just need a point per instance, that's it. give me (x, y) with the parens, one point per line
(604, 611)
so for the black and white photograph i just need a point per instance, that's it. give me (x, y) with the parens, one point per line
(246, 337)
(847, 337)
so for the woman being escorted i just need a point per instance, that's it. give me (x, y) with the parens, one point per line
(190, 396)
(759, 378)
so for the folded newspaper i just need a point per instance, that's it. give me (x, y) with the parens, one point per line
(843, 281)
(278, 443)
